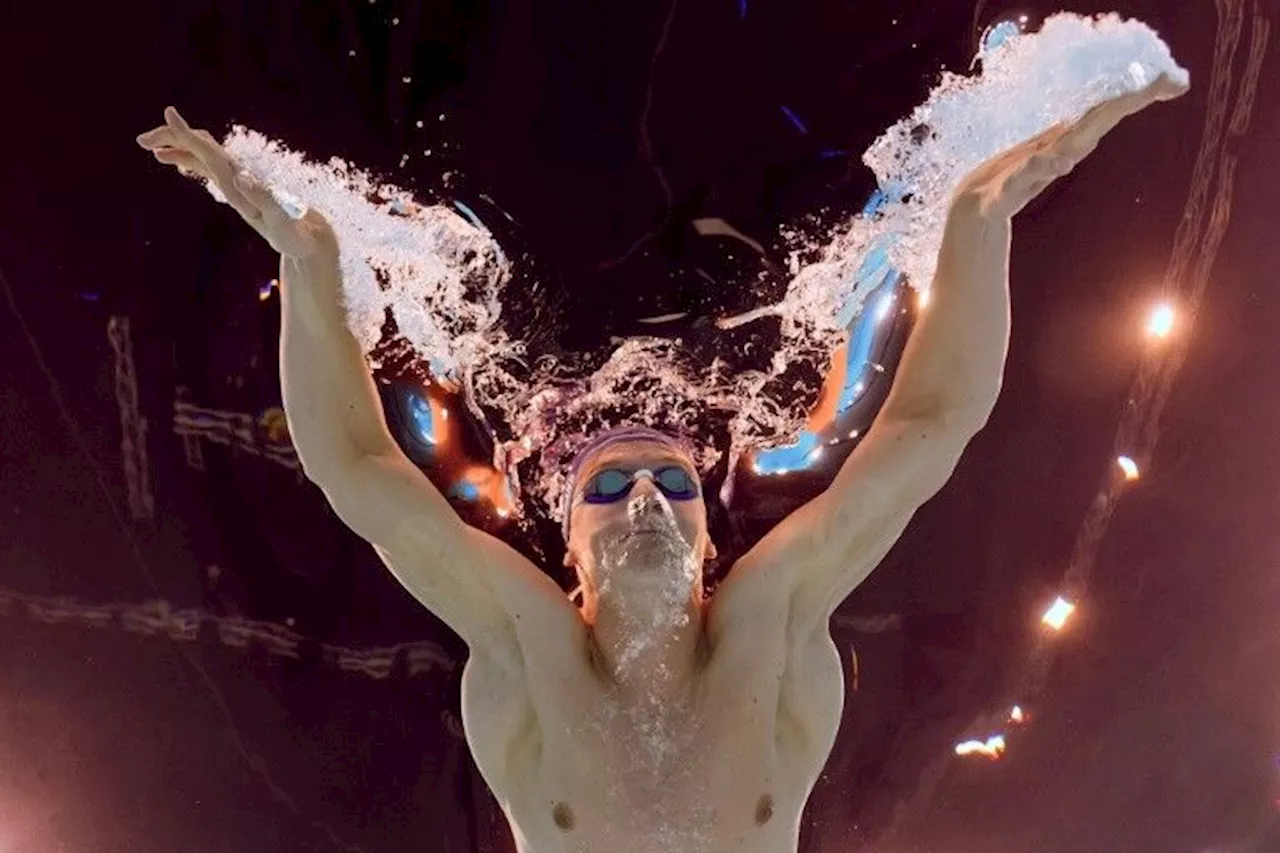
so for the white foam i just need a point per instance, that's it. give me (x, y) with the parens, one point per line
(444, 276)
(1028, 84)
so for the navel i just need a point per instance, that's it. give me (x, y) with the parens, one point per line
(563, 816)
(764, 810)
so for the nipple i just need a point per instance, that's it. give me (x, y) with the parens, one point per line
(764, 810)
(563, 816)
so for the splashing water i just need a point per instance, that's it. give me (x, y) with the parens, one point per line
(439, 277)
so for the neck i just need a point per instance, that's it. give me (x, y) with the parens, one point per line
(648, 653)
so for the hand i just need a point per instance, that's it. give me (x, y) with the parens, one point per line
(1009, 181)
(196, 152)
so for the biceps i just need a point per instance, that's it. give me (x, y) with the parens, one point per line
(820, 588)
(898, 466)
(476, 584)
(390, 504)
(830, 545)
(380, 497)
(455, 594)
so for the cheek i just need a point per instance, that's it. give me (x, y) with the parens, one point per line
(690, 515)
(594, 519)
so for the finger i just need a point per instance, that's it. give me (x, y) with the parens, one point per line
(1020, 156)
(158, 137)
(217, 166)
(200, 142)
(178, 126)
(174, 119)
(1165, 89)
(180, 158)
(1050, 138)
(1084, 135)
(1048, 164)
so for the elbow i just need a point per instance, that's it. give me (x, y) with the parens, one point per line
(315, 475)
(327, 467)
(969, 410)
(955, 422)
(954, 414)
(970, 417)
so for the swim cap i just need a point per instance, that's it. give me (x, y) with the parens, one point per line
(608, 438)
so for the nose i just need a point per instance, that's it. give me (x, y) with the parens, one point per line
(646, 497)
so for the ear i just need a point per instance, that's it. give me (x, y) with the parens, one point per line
(584, 585)
(710, 552)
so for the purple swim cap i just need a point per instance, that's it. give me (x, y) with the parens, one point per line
(608, 438)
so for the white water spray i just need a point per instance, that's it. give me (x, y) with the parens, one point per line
(441, 277)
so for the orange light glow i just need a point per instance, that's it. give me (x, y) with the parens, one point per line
(440, 431)
(1160, 322)
(1129, 467)
(992, 748)
(1058, 614)
(824, 410)
(491, 487)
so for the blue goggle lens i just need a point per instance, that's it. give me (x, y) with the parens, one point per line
(613, 483)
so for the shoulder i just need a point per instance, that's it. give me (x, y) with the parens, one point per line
(543, 623)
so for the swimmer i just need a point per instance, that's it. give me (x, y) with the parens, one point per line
(650, 719)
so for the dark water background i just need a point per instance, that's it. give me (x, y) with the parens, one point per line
(1156, 727)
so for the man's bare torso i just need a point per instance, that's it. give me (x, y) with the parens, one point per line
(577, 770)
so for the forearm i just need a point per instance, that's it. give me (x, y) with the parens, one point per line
(954, 359)
(330, 399)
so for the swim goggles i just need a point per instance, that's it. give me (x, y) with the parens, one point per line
(614, 484)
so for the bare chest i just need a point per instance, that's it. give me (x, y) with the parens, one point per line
(730, 770)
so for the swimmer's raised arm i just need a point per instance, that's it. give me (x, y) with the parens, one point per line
(954, 360)
(333, 407)
(471, 581)
(945, 387)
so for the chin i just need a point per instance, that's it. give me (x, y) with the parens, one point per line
(657, 549)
